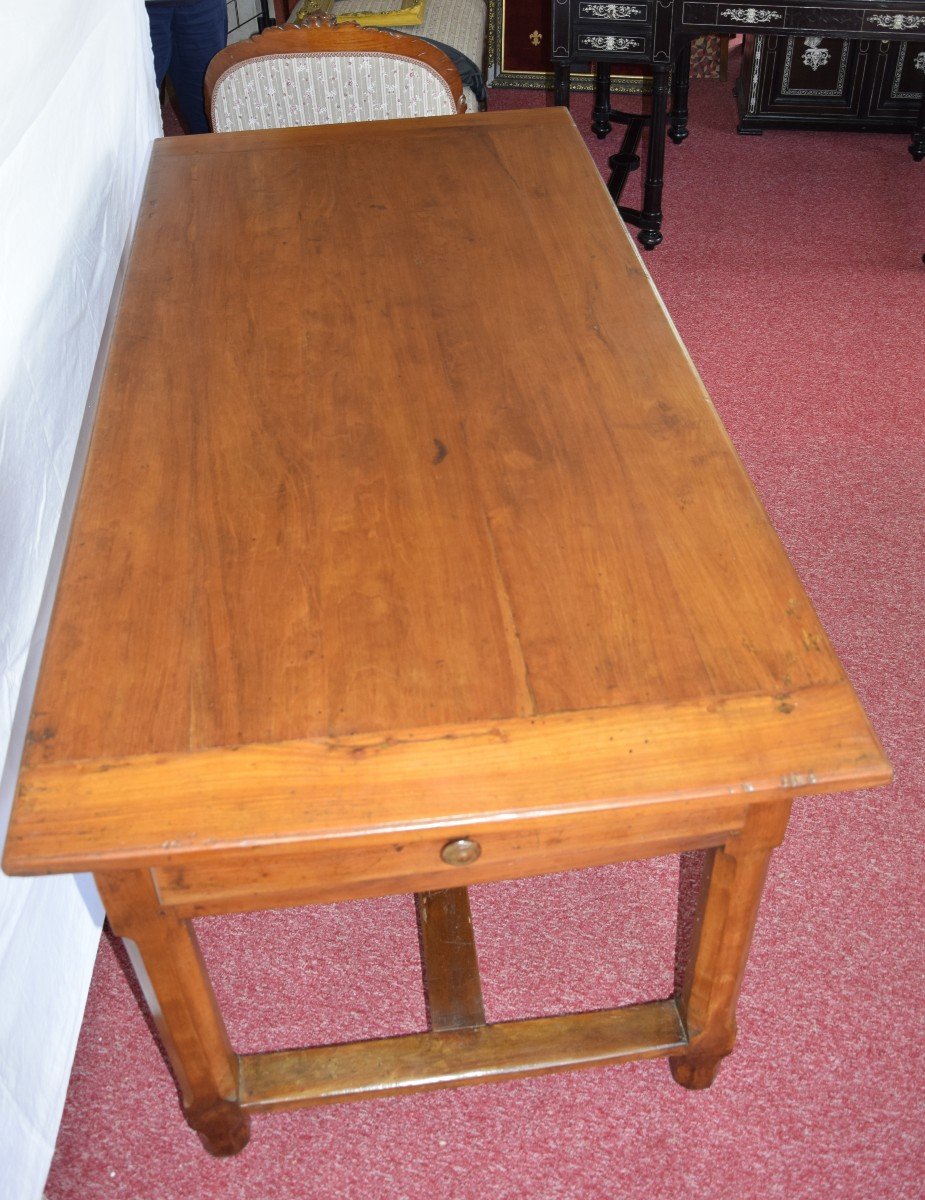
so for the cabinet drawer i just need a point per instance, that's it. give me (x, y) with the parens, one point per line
(620, 45)
(848, 20)
(895, 22)
(595, 10)
(712, 17)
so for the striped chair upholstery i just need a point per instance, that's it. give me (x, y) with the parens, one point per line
(326, 74)
(457, 23)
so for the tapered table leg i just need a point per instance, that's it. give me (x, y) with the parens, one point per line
(733, 880)
(451, 965)
(169, 966)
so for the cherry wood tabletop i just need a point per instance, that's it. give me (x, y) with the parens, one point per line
(406, 511)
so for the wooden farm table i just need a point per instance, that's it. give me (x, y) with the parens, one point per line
(411, 554)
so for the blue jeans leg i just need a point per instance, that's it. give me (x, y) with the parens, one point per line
(160, 18)
(197, 32)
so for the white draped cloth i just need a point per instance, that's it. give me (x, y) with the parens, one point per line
(78, 113)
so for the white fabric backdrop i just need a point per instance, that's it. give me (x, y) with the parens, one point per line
(78, 113)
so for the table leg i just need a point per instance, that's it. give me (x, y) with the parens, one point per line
(600, 124)
(917, 145)
(451, 964)
(563, 84)
(733, 880)
(680, 88)
(169, 966)
(651, 216)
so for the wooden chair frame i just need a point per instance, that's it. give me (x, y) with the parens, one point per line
(324, 35)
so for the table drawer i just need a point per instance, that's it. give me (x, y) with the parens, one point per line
(625, 44)
(425, 860)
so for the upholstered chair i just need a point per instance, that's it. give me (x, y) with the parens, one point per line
(457, 27)
(325, 74)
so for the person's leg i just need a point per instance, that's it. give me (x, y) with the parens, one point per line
(160, 17)
(200, 30)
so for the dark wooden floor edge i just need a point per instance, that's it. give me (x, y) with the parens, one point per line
(419, 1061)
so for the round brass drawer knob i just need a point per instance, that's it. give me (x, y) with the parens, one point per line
(460, 852)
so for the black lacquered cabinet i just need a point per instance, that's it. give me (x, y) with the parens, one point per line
(817, 82)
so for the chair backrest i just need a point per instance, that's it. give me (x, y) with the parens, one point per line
(325, 74)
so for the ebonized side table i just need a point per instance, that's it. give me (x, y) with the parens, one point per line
(658, 33)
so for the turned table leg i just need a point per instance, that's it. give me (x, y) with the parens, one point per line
(600, 124)
(169, 966)
(680, 89)
(563, 84)
(917, 145)
(731, 888)
(650, 234)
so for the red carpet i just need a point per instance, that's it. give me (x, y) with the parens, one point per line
(792, 267)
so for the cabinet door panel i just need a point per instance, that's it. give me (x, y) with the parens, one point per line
(899, 86)
(814, 82)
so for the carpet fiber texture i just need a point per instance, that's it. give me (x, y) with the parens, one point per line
(792, 268)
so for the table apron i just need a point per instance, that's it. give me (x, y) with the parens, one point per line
(386, 863)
